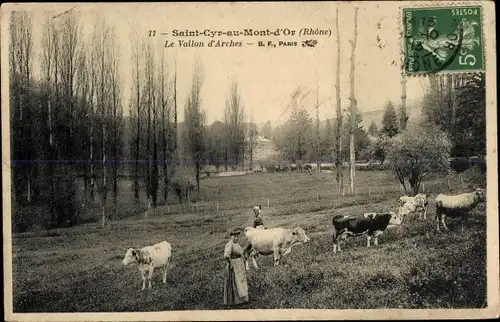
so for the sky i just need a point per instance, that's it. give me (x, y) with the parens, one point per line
(266, 76)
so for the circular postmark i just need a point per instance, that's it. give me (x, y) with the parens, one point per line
(434, 47)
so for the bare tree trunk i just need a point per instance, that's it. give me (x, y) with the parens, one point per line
(175, 114)
(353, 104)
(104, 120)
(339, 163)
(404, 116)
(149, 71)
(165, 141)
(104, 174)
(318, 154)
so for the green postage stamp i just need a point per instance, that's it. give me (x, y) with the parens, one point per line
(443, 40)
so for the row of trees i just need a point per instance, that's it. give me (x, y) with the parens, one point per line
(71, 113)
(68, 130)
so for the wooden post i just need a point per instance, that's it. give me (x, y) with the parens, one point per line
(423, 186)
(217, 206)
(317, 196)
(267, 202)
(369, 191)
(168, 209)
(448, 182)
(383, 191)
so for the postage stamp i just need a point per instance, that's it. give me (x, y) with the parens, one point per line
(215, 161)
(443, 39)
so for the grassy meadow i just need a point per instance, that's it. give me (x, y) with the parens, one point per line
(79, 269)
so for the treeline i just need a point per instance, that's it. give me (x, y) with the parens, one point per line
(71, 144)
(67, 123)
(297, 139)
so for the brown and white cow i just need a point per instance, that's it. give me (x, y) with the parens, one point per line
(276, 241)
(418, 203)
(370, 224)
(148, 259)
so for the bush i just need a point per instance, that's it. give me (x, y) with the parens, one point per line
(418, 152)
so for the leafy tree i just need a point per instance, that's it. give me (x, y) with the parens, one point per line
(216, 139)
(403, 118)
(361, 141)
(234, 115)
(251, 142)
(460, 111)
(328, 141)
(300, 132)
(417, 153)
(267, 130)
(390, 121)
(378, 148)
(195, 123)
(372, 129)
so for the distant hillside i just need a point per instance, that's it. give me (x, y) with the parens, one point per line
(413, 112)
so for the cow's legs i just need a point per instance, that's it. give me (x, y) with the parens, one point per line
(337, 238)
(246, 254)
(276, 256)
(375, 237)
(443, 222)
(425, 212)
(464, 220)
(143, 275)
(150, 275)
(254, 262)
(368, 238)
(165, 272)
(334, 240)
(253, 254)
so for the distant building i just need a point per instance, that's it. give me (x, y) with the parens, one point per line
(264, 149)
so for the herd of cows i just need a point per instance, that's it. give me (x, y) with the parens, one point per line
(279, 241)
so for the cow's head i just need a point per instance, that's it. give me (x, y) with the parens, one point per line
(299, 236)
(407, 209)
(480, 194)
(394, 219)
(130, 257)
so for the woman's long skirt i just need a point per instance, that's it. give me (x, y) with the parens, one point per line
(235, 283)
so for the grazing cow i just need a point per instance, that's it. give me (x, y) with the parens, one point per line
(457, 205)
(148, 258)
(419, 203)
(276, 241)
(369, 224)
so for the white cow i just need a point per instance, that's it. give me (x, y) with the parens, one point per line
(148, 258)
(457, 206)
(276, 241)
(409, 204)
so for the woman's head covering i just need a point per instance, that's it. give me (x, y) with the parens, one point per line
(234, 232)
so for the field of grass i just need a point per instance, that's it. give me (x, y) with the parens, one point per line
(79, 269)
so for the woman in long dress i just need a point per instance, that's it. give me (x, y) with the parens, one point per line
(235, 283)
